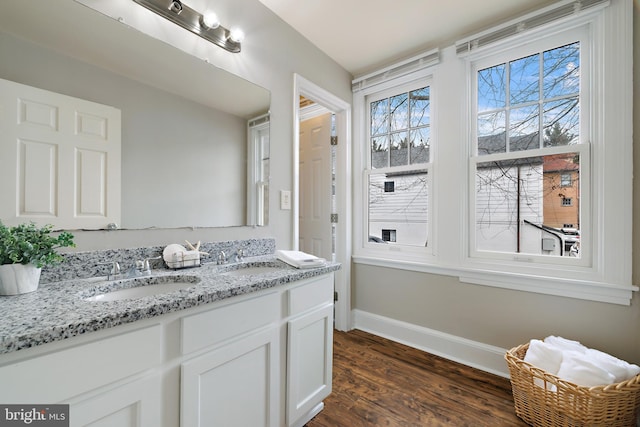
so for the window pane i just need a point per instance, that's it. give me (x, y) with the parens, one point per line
(420, 144)
(520, 205)
(380, 152)
(524, 82)
(404, 210)
(491, 88)
(399, 149)
(524, 123)
(491, 133)
(420, 107)
(561, 122)
(379, 117)
(399, 112)
(562, 71)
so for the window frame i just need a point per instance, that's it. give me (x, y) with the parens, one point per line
(603, 273)
(533, 45)
(391, 88)
(608, 276)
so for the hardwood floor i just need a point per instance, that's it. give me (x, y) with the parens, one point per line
(377, 382)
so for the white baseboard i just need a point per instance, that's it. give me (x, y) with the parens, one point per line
(478, 355)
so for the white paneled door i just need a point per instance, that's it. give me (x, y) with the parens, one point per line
(59, 159)
(315, 186)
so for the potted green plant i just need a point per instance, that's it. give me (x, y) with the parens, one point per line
(24, 250)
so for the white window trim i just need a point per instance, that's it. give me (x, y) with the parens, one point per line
(255, 204)
(609, 278)
(421, 78)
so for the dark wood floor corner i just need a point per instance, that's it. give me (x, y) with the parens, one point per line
(378, 382)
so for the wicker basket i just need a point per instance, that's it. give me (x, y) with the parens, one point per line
(542, 399)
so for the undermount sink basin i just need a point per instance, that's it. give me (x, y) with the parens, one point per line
(252, 269)
(143, 287)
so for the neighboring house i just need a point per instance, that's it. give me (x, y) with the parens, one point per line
(511, 217)
(561, 192)
(398, 209)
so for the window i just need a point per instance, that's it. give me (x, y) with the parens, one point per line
(399, 135)
(258, 171)
(389, 235)
(389, 186)
(528, 121)
(526, 178)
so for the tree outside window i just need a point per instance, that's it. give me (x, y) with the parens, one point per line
(400, 142)
(528, 121)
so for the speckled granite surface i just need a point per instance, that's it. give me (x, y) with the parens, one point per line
(59, 310)
(80, 265)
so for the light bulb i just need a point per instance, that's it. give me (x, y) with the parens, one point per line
(210, 21)
(236, 35)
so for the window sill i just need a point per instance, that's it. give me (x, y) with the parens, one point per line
(578, 289)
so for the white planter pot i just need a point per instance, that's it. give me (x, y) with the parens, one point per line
(18, 279)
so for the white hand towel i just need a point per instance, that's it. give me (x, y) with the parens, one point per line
(543, 356)
(620, 369)
(632, 371)
(578, 369)
(565, 344)
(546, 357)
(300, 259)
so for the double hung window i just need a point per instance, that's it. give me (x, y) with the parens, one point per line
(519, 175)
(399, 138)
(531, 140)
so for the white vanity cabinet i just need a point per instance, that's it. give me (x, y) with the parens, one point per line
(236, 382)
(258, 359)
(309, 349)
(105, 381)
(135, 404)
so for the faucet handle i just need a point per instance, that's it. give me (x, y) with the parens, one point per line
(115, 270)
(144, 266)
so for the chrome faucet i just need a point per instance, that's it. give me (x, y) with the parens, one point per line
(239, 255)
(115, 272)
(141, 268)
(222, 258)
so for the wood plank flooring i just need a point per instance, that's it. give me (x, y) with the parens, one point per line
(377, 382)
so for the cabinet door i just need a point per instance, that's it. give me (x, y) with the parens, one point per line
(310, 352)
(234, 385)
(136, 404)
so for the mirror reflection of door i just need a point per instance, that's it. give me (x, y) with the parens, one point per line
(316, 184)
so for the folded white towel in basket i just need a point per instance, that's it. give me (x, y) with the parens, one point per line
(579, 369)
(621, 370)
(565, 344)
(544, 356)
(574, 362)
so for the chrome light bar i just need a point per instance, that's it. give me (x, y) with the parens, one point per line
(190, 19)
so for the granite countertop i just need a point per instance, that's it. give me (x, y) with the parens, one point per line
(58, 310)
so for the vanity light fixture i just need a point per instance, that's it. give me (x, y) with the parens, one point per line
(205, 25)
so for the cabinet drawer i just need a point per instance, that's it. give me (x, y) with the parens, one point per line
(58, 376)
(310, 294)
(219, 324)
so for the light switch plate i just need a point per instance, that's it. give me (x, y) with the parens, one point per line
(285, 199)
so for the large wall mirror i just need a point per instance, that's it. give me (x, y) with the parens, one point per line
(192, 134)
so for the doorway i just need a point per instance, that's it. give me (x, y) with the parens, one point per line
(316, 204)
(341, 181)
